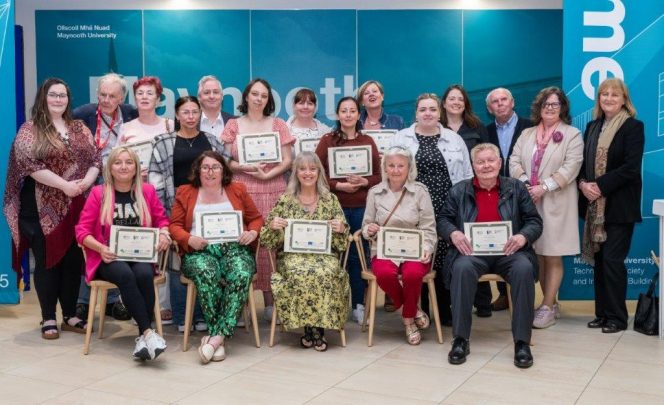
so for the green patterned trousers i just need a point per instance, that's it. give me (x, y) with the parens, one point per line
(222, 274)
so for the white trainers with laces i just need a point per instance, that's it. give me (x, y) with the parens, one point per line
(358, 314)
(141, 351)
(155, 343)
(267, 314)
(544, 317)
(200, 326)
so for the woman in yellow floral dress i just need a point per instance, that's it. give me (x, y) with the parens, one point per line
(311, 290)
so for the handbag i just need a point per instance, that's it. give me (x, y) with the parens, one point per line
(646, 318)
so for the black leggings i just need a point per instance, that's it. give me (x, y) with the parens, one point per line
(135, 281)
(60, 282)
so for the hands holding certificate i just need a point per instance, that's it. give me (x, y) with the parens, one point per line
(461, 242)
(278, 223)
(372, 230)
(246, 238)
(353, 183)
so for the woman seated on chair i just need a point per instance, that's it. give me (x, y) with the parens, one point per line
(222, 272)
(311, 290)
(401, 202)
(124, 200)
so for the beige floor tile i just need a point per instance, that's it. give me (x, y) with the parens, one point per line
(389, 377)
(338, 396)
(20, 390)
(606, 396)
(630, 376)
(242, 389)
(596, 344)
(84, 396)
(639, 347)
(488, 388)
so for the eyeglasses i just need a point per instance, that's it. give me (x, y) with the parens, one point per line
(57, 95)
(555, 105)
(214, 168)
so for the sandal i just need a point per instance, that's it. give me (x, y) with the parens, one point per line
(422, 319)
(166, 317)
(306, 340)
(389, 304)
(319, 341)
(46, 328)
(413, 336)
(78, 327)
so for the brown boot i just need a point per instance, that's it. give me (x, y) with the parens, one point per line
(500, 304)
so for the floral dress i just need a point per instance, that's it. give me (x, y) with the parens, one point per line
(309, 289)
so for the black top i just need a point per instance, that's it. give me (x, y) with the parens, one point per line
(472, 136)
(125, 212)
(184, 154)
(28, 210)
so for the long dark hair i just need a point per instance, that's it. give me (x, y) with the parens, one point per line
(338, 133)
(46, 136)
(179, 102)
(468, 115)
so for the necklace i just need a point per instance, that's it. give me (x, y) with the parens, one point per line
(65, 137)
(190, 141)
(308, 205)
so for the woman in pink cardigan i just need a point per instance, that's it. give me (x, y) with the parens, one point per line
(124, 200)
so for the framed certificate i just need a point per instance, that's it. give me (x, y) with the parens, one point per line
(304, 236)
(219, 227)
(488, 238)
(134, 244)
(144, 151)
(343, 161)
(400, 244)
(306, 145)
(382, 138)
(259, 148)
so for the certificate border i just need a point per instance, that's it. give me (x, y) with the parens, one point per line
(115, 231)
(469, 234)
(243, 157)
(298, 144)
(288, 246)
(387, 256)
(333, 161)
(237, 214)
(370, 132)
(132, 145)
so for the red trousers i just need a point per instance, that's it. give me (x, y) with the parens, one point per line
(408, 294)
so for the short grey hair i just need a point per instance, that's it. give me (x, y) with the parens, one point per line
(205, 79)
(488, 96)
(403, 152)
(111, 78)
(482, 147)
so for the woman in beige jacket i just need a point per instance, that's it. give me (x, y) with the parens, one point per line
(547, 157)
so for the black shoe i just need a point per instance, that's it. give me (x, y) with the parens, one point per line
(118, 311)
(597, 323)
(82, 311)
(460, 349)
(522, 356)
(611, 327)
(483, 312)
(446, 322)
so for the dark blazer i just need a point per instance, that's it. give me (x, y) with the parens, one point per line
(521, 124)
(226, 116)
(472, 136)
(515, 205)
(88, 113)
(621, 184)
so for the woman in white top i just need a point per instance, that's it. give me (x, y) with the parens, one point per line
(147, 92)
(302, 124)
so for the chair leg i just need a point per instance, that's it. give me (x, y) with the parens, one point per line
(273, 325)
(157, 311)
(91, 318)
(342, 332)
(102, 312)
(433, 303)
(252, 312)
(373, 285)
(188, 314)
(366, 309)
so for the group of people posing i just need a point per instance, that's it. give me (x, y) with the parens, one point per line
(442, 172)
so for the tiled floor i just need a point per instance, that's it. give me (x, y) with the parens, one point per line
(573, 364)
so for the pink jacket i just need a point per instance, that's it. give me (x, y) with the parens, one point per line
(89, 224)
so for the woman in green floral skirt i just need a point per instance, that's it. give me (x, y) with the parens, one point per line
(311, 290)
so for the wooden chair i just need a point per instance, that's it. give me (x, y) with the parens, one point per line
(343, 259)
(372, 292)
(102, 287)
(191, 301)
(497, 278)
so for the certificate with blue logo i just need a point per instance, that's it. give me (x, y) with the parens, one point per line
(219, 227)
(304, 236)
(488, 238)
(382, 138)
(259, 148)
(134, 244)
(399, 244)
(343, 161)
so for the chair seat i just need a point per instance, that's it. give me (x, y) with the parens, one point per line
(102, 284)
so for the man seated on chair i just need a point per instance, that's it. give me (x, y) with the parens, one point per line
(489, 197)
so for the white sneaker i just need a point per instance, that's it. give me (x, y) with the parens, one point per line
(200, 326)
(267, 314)
(155, 343)
(544, 317)
(141, 351)
(240, 322)
(181, 328)
(358, 314)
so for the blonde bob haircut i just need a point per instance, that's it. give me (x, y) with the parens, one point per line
(307, 158)
(404, 153)
(482, 147)
(108, 195)
(363, 88)
(616, 84)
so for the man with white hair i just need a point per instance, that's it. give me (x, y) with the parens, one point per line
(211, 97)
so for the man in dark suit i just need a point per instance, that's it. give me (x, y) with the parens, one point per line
(105, 119)
(503, 132)
(211, 96)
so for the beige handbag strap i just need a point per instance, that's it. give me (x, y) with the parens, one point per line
(403, 193)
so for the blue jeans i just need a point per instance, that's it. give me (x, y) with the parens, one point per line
(179, 300)
(354, 217)
(84, 294)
